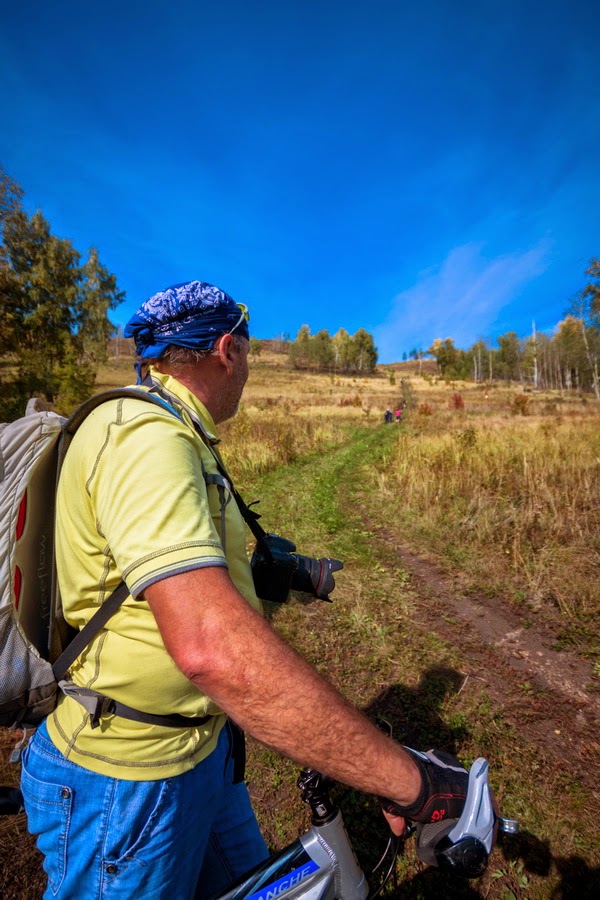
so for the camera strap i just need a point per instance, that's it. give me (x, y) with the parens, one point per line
(249, 516)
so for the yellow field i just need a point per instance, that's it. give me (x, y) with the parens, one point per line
(502, 484)
(284, 413)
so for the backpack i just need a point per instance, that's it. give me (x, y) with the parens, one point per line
(36, 645)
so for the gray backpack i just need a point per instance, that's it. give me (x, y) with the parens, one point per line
(36, 646)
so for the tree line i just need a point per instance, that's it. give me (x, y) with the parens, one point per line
(567, 360)
(342, 353)
(54, 326)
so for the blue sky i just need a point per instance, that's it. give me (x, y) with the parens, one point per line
(421, 171)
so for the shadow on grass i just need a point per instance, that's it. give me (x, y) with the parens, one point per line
(415, 717)
(578, 880)
(414, 712)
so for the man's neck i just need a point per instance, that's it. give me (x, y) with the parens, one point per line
(200, 381)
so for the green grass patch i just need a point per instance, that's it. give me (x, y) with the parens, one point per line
(370, 644)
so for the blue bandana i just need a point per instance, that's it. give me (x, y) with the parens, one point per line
(193, 314)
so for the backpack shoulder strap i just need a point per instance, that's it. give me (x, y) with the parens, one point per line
(95, 703)
(59, 629)
(89, 631)
(82, 412)
(88, 406)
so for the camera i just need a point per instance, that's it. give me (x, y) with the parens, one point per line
(277, 570)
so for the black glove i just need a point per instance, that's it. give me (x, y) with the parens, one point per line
(443, 789)
(11, 801)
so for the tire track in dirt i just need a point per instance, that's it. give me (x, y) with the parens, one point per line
(558, 712)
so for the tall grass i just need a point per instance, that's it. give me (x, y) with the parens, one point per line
(284, 414)
(256, 441)
(516, 502)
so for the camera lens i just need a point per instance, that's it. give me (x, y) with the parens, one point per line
(315, 576)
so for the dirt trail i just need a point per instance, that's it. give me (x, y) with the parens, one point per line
(548, 694)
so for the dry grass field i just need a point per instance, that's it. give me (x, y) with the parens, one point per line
(507, 490)
(286, 414)
(466, 612)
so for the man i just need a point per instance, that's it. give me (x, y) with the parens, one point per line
(124, 808)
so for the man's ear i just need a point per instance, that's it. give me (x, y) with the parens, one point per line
(225, 351)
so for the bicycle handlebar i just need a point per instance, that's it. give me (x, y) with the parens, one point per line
(463, 845)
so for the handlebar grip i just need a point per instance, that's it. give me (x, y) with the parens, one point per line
(467, 857)
(428, 838)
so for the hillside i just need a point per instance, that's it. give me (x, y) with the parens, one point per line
(466, 612)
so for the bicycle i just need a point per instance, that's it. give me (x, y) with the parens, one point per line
(321, 864)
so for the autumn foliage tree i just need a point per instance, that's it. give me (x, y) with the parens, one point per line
(55, 325)
(452, 362)
(567, 360)
(586, 309)
(343, 353)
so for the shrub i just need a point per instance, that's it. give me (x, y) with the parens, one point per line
(456, 401)
(425, 409)
(520, 405)
(350, 401)
(467, 439)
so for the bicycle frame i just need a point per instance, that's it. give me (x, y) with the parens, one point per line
(320, 865)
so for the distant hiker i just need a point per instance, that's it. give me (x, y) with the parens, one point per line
(398, 416)
(128, 809)
(388, 417)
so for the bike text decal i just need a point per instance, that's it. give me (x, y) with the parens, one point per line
(276, 889)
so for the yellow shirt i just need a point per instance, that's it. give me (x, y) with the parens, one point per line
(133, 504)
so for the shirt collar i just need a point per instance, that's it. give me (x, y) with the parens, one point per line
(196, 410)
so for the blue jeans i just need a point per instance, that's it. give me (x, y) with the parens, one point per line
(110, 838)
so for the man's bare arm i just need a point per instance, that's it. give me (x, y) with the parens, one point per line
(235, 657)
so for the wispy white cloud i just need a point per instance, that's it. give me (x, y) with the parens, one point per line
(461, 298)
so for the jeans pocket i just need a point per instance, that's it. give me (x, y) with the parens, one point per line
(139, 817)
(48, 807)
